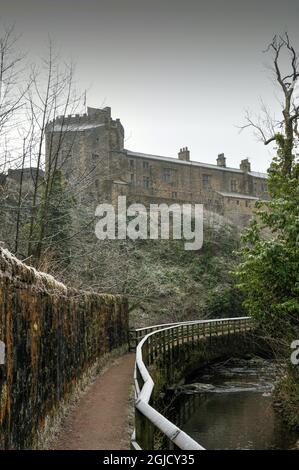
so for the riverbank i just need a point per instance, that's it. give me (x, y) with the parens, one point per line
(286, 399)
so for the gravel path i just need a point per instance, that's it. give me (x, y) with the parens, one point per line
(100, 419)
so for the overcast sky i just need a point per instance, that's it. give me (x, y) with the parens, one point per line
(177, 73)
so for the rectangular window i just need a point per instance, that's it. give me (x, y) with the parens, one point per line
(237, 202)
(206, 181)
(233, 186)
(146, 182)
(145, 165)
(132, 164)
(174, 195)
(247, 204)
(132, 177)
(167, 175)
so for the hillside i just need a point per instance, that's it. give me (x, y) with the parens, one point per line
(163, 281)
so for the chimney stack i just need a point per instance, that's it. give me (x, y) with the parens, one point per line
(221, 160)
(245, 165)
(184, 154)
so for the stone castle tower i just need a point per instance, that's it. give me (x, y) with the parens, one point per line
(81, 146)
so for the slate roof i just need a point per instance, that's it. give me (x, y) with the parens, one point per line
(148, 156)
(238, 196)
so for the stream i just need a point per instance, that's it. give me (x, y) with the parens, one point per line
(229, 406)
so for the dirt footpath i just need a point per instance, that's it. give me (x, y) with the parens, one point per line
(100, 419)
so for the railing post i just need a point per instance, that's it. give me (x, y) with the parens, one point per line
(146, 354)
(144, 431)
(180, 337)
(172, 345)
(193, 337)
(132, 340)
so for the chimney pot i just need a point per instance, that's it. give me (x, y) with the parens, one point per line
(184, 154)
(245, 165)
(221, 160)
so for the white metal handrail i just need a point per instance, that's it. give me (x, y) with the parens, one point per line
(143, 395)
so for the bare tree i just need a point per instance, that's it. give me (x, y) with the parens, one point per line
(11, 92)
(285, 131)
(51, 94)
(12, 100)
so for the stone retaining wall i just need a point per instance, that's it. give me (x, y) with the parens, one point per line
(52, 335)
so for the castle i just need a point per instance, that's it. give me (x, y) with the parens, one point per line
(90, 152)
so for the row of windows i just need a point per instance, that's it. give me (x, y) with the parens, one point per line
(237, 202)
(167, 178)
(144, 164)
(147, 183)
(146, 180)
(263, 187)
(169, 175)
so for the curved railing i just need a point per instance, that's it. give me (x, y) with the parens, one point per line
(156, 342)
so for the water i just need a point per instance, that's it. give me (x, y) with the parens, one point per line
(229, 406)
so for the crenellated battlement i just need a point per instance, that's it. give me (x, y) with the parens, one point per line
(94, 116)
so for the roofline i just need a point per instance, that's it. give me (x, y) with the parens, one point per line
(237, 195)
(192, 163)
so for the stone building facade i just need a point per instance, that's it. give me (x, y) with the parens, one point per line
(89, 150)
